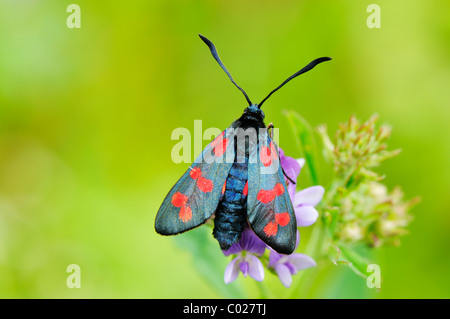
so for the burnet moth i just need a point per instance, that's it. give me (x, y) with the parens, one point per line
(238, 181)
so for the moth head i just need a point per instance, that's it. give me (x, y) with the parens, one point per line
(254, 111)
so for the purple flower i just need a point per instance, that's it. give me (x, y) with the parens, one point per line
(247, 251)
(304, 200)
(287, 265)
(292, 168)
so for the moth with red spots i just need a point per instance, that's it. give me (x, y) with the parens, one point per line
(238, 180)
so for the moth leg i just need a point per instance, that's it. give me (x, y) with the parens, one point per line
(270, 126)
(284, 173)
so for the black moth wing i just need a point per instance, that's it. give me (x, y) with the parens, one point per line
(270, 211)
(194, 198)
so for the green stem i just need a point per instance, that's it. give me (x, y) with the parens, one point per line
(314, 249)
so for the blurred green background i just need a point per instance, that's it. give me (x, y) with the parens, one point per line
(86, 117)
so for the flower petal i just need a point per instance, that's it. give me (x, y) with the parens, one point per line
(255, 269)
(297, 240)
(252, 243)
(274, 257)
(301, 162)
(301, 261)
(306, 215)
(290, 165)
(248, 242)
(310, 196)
(291, 191)
(284, 274)
(233, 250)
(243, 267)
(232, 270)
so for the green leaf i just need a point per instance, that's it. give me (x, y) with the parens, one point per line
(358, 263)
(209, 261)
(305, 137)
(331, 218)
(343, 255)
(335, 255)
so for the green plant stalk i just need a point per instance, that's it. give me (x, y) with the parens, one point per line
(315, 250)
(315, 247)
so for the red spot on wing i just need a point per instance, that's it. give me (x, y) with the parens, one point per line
(279, 189)
(224, 187)
(195, 172)
(204, 184)
(273, 151)
(266, 196)
(268, 155)
(221, 148)
(271, 229)
(265, 156)
(179, 199)
(282, 219)
(245, 192)
(185, 214)
(217, 139)
(220, 144)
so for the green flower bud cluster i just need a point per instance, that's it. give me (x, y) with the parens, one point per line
(372, 215)
(358, 207)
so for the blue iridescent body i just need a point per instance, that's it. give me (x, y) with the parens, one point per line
(231, 213)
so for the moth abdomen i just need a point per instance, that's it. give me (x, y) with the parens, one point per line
(231, 214)
(229, 222)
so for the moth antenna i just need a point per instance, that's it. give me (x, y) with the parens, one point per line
(310, 66)
(213, 50)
